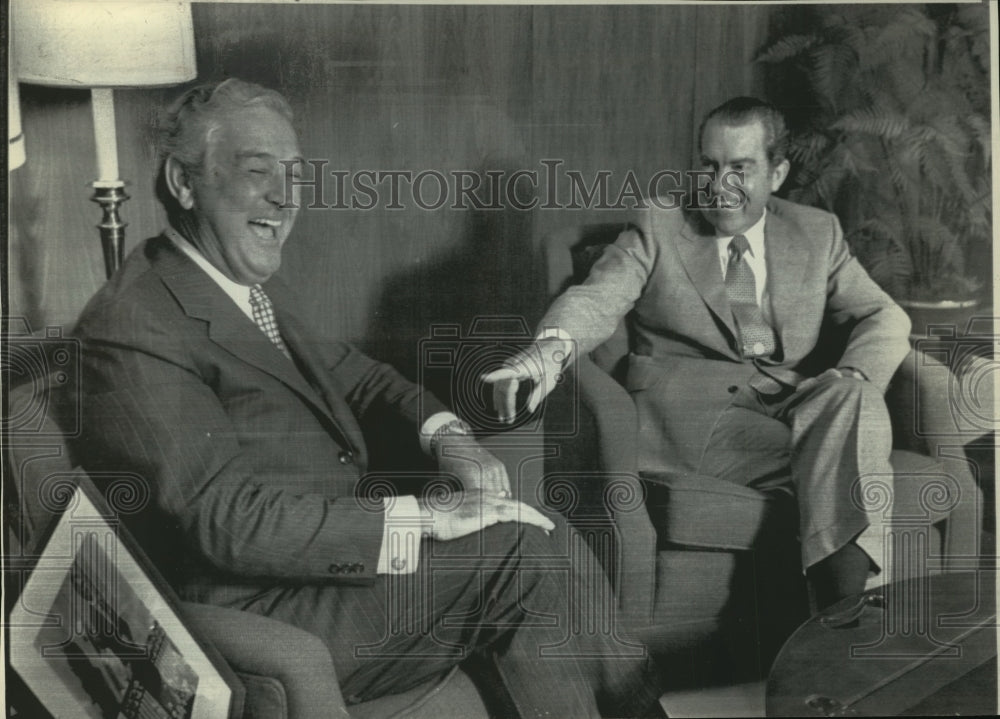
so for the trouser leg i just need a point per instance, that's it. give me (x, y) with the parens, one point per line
(747, 447)
(510, 591)
(841, 438)
(831, 442)
(582, 648)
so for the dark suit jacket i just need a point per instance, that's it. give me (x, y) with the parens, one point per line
(685, 358)
(251, 462)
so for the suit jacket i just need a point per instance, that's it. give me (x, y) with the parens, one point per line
(251, 460)
(685, 361)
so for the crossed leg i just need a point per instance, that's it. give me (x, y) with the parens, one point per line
(523, 598)
(818, 442)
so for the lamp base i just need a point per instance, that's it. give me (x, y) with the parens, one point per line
(110, 196)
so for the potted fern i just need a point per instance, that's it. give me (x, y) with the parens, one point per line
(889, 111)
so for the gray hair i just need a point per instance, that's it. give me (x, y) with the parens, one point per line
(184, 129)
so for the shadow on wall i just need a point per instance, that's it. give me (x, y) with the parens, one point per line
(490, 271)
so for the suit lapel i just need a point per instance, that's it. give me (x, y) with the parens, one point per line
(315, 371)
(700, 256)
(787, 265)
(232, 330)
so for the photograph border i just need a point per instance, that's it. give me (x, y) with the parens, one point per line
(55, 555)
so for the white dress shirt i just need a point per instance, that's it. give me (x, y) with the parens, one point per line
(400, 551)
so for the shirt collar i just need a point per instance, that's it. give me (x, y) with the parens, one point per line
(754, 235)
(240, 294)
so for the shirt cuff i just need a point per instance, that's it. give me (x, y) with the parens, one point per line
(858, 374)
(431, 425)
(401, 536)
(559, 334)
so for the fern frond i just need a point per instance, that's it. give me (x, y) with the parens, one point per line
(805, 149)
(981, 134)
(875, 121)
(904, 34)
(887, 264)
(787, 48)
(832, 67)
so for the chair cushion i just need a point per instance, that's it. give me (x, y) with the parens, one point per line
(923, 490)
(265, 697)
(703, 512)
(453, 695)
(692, 584)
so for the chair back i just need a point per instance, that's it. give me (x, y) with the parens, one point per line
(41, 408)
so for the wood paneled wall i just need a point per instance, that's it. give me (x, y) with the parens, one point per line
(385, 87)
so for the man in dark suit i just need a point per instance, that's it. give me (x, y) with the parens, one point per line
(728, 309)
(205, 386)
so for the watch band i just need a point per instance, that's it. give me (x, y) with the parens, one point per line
(455, 427)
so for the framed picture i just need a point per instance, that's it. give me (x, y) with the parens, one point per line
(97, 633)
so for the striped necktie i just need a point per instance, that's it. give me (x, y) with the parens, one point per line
(263, 315)
(757, 338)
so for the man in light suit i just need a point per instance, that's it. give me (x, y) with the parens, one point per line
(728, 309)
(249, 435)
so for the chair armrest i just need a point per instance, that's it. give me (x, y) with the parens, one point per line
(614, 415)
(259, 646)
(616, 422)
(926, 419)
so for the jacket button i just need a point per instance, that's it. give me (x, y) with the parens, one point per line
(346, 457)
(732, 389)
(358, 567)
(397, 564)
(334, 569)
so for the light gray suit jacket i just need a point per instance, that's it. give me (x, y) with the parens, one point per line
(685, 362)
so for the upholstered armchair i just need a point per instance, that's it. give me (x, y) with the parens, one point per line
(287, 673)
(704, 568)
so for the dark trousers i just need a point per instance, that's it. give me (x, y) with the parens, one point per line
(821, 442)
(539, 607)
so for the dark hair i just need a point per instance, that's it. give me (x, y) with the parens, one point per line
(185, 128)
(745, 110)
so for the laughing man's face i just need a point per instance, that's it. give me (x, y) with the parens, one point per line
(238, 200)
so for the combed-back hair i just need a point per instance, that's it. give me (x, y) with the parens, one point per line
(744, 110)
(186, 126)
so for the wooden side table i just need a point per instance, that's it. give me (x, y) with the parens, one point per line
(905, 646)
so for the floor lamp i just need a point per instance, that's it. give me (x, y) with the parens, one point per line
(15, 138)
(103, 45)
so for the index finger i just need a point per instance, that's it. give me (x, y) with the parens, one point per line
(498, 375)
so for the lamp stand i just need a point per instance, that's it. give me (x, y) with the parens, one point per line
(110, 195)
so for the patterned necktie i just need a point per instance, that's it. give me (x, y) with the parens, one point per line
(757, 338)
(263, 315)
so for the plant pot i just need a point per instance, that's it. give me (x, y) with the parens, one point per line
(939, 318)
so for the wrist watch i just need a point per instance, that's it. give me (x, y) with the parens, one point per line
(455, 427)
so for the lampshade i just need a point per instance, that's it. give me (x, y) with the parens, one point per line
(15, 139)
(103, 43)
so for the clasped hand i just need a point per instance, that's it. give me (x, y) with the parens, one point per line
(485, 498)
(832, 373)
(473, 510)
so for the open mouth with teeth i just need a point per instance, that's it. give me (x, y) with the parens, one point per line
(264, 228)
